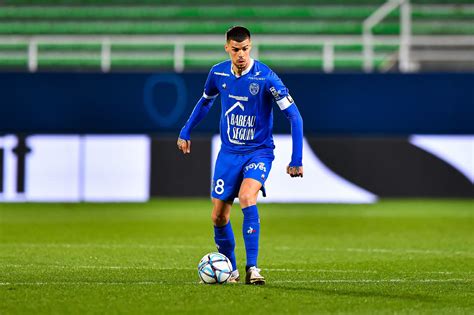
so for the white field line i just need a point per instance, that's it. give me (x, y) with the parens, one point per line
(94, 283)
(375, 281)
(319, 270)
(99, 267)
(40, 266)
(358, 281)
(280, 248)
(94, 245)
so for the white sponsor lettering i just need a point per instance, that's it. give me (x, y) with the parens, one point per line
(243, 134)
(240, 127)
(242, 120)
(239, 98)
(254, 166)
(222, 74)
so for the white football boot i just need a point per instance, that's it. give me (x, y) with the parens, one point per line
(234, 277)
(254, 277)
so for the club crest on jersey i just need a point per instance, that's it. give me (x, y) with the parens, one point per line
(254, 88)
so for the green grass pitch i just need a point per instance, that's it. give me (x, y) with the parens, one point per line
(396, 256)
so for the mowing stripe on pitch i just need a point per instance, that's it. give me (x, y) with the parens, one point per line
(173, 268)
(193, 269)
(358, 281)
(381, 250)
(281, 248)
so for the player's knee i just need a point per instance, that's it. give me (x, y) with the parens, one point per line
(247, 199)
(219, 219)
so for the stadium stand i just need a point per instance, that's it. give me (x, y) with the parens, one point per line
(144, 34)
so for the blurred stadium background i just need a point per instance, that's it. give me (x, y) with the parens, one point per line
(94, 93)
(116, 80)
(315, 35)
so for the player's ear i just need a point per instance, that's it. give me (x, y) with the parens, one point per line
(226, 48)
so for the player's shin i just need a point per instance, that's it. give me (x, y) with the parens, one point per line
(225, 242)
(251, 233)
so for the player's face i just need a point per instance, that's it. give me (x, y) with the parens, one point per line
(239, 53)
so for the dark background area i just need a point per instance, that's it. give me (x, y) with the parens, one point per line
(331, 104)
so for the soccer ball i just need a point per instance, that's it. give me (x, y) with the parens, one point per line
(214, 268)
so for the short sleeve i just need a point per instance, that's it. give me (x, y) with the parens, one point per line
(210, 88)
(279, 91)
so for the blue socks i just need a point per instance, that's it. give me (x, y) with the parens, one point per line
(251, 232)
(224, 238)
(225, 241)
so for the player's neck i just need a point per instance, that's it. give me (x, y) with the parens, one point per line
(238, 72)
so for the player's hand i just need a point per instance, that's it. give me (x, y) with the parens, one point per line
(184, 145)
(294, 171)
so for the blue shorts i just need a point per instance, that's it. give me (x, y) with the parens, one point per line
(231, 169)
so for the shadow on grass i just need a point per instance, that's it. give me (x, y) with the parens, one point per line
(355, 293)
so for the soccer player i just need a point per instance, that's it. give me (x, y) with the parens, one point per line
(248, 89)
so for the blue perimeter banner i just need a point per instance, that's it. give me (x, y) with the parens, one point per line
(331, 104)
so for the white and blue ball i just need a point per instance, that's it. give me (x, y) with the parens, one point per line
(214, 268)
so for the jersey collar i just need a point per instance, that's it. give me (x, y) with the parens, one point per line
(245, 71)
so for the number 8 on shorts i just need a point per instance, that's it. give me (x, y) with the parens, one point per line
(219, 189)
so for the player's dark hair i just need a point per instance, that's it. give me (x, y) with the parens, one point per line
(237, 33)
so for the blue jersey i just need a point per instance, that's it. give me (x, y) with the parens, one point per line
(246, 121)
